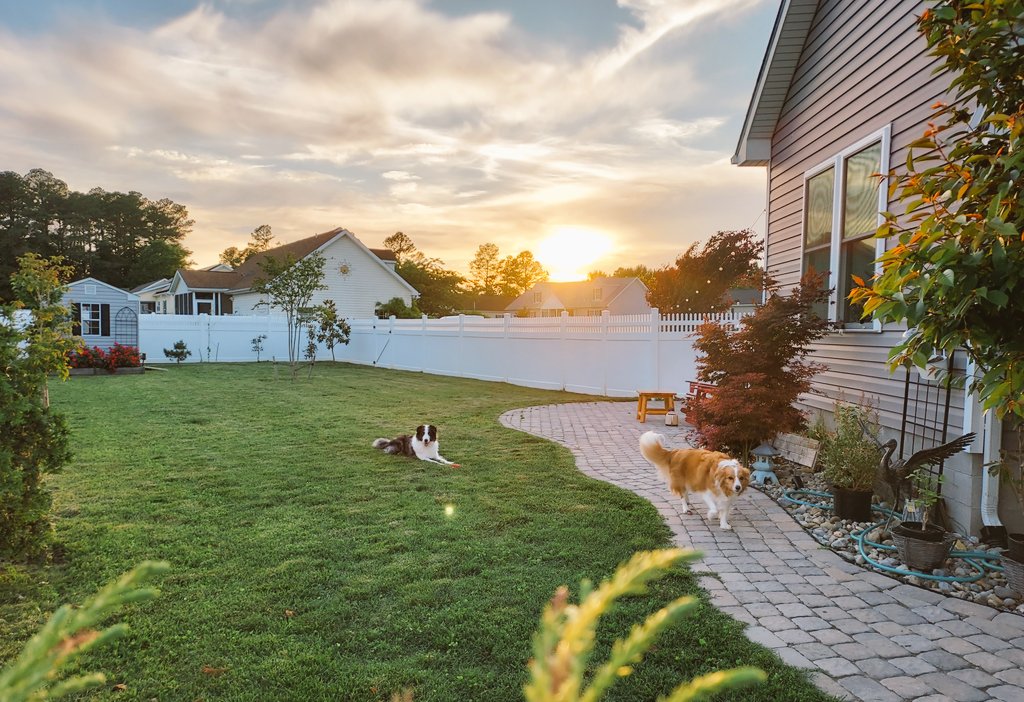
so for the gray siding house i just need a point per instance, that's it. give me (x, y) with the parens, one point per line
(843, 89)
(103, 315)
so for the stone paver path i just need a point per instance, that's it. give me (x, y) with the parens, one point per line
(863, 635)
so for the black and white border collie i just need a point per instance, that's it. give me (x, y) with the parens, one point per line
(423, 445)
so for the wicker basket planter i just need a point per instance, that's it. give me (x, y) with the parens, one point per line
(1014, 575)
(923, 550)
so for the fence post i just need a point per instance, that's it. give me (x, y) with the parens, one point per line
(507, 333)
(563, 351)
(423, 337)
(655, 349)
(462, 346)
(605, 341)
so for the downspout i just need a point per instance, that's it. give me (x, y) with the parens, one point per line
(989, 442)
(992, 529)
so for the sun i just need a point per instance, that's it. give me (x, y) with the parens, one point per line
(569, 252)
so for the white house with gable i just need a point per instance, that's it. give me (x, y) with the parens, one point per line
(356, 277)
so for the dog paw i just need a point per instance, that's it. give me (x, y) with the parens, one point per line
(727, 527)
(712, 514)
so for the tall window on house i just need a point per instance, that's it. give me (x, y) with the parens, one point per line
(820, 196)
(842, 201)
(860, 220)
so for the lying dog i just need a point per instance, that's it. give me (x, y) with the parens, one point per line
(715, 476)
(423, 445)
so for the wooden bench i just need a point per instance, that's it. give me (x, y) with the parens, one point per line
(642, 410)
(698, 389)
(798, 449)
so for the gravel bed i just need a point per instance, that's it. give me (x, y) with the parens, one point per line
(991, 589)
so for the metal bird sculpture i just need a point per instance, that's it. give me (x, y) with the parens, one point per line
(897, 473)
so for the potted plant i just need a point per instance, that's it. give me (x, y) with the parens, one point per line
(922, 545)
(849, 460)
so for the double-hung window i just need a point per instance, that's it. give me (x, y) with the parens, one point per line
(91, 319)
(843, 201)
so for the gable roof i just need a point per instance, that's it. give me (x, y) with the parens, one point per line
(152, 286)
(792, 25)
(207, 280)
(242, 279)
(96, 281)
(575, 295)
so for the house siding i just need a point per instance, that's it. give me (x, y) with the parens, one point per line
(356, 294)
(863, 67)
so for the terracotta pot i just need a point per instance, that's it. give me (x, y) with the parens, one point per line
(852, 504)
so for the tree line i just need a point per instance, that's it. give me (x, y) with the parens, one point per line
(124, 239)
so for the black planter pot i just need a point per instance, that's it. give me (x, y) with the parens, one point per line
(1015, 543)
(852, 504)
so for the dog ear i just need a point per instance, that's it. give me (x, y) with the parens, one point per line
(420, 430)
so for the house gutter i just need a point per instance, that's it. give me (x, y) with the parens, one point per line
(992, 529)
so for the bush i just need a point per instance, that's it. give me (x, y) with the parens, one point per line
(179, 352)
(849, 458)
(117, 357)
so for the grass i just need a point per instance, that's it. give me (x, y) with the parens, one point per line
(306, 565)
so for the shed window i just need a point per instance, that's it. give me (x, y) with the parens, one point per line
(94, 319)
(843, 199)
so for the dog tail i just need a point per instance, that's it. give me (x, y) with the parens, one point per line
(652, 448)
(380, 443)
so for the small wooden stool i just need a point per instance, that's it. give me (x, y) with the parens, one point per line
(642, 410)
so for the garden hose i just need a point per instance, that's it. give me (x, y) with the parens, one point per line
(980, 561)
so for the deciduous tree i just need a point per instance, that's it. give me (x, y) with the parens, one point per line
(519, 273)
(289, 285)
(702, 275)
(956, 275)
(758, 371)
(259, 241)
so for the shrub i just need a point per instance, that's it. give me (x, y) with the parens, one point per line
(179, 352)
(33, 438)
(759, 371)
(122, 357)
(849, 458)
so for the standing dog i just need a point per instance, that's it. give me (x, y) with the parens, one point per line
(423, 445)
(715, 476)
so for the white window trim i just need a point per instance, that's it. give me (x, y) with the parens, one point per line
(98, 319)
(835, 246)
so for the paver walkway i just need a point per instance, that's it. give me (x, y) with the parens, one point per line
(863, 635)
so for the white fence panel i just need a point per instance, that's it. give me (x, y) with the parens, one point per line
(606, 355)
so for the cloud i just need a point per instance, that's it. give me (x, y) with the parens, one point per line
(383, 115)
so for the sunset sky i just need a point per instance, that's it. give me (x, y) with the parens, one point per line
(594, 133)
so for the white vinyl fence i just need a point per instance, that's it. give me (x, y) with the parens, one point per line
(608, 355)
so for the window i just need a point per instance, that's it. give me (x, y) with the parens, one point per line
(537, 297)
(597, 293)
(843, 198)
(147, 307)
(90, 319)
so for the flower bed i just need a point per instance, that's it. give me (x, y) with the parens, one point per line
(838, 534)
(116, 360)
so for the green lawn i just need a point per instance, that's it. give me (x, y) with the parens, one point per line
(265, 496)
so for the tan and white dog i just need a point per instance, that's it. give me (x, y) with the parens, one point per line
(716, 477)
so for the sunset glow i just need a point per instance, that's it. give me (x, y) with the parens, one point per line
(571, 252)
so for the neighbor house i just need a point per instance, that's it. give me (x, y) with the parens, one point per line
(153, 297)
(103, 314)
(843, 90)
(583, 299)
(356, 278)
